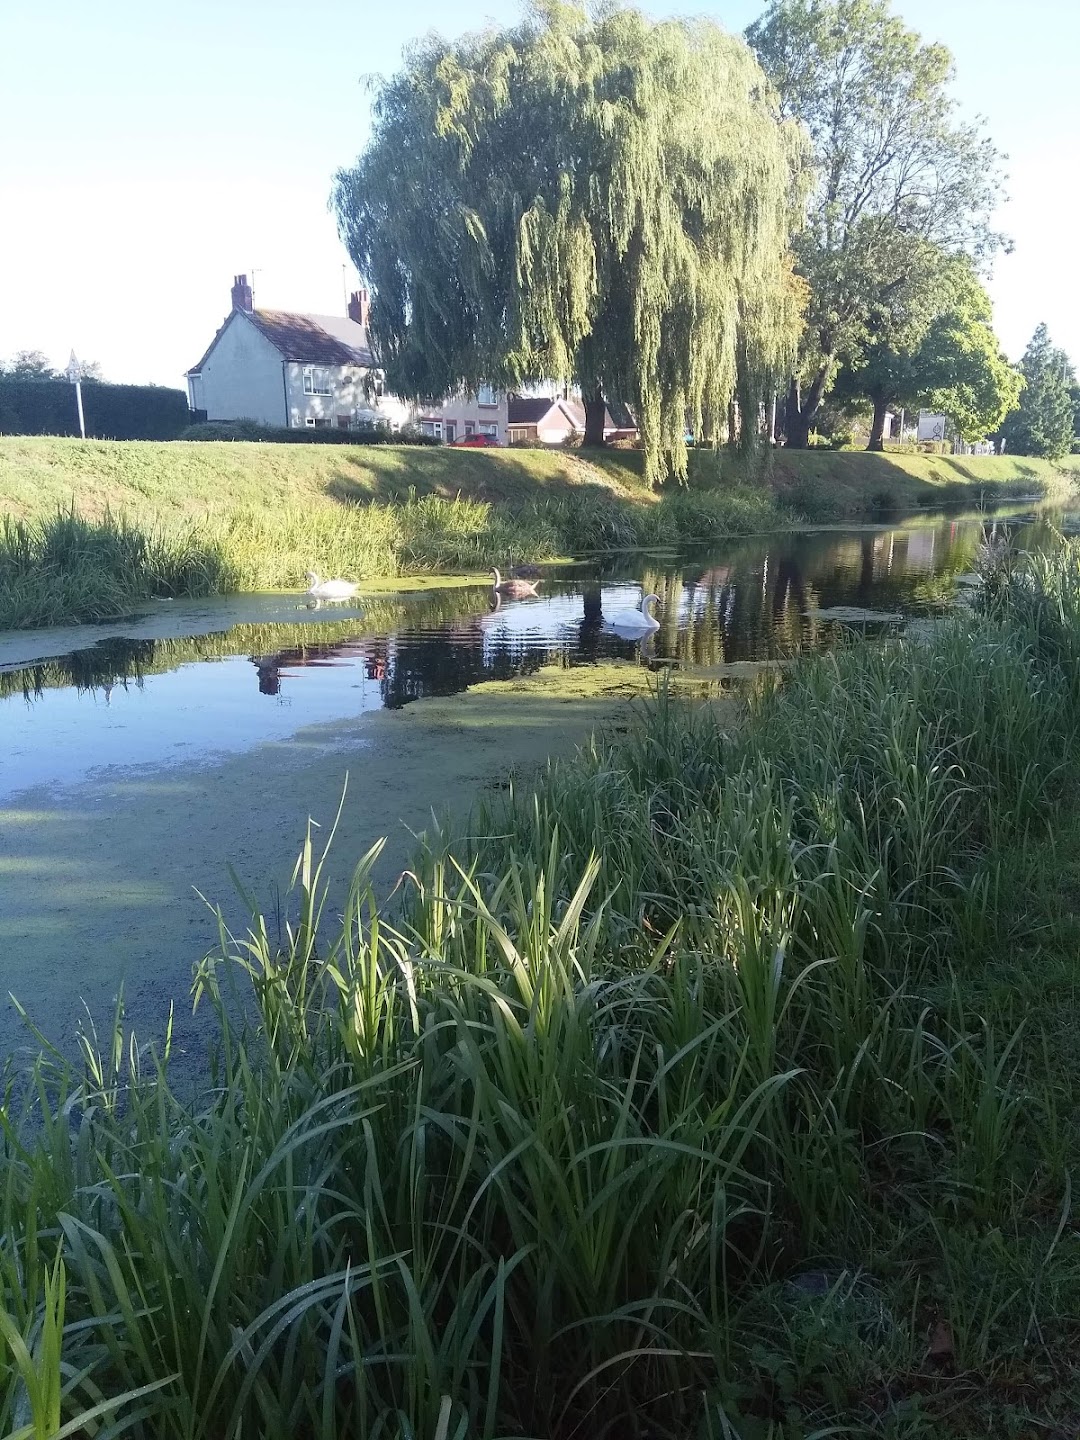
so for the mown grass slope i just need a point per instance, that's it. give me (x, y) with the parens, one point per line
(822, 484)
(40, 474)
(37, 475)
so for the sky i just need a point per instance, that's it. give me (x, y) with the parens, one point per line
(153, 151)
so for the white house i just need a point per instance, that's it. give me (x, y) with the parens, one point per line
(283, 368)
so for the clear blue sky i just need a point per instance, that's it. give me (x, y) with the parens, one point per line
(151, 151)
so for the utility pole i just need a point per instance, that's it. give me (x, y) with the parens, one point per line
(76, 379)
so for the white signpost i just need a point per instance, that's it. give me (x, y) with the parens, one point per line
(74, 376)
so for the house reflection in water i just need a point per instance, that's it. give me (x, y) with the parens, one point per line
(373, 654)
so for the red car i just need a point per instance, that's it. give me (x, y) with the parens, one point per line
(476, 440)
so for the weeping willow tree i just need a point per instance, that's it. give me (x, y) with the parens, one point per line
(593, 199)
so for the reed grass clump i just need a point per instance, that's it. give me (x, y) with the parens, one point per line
(656, 1101)
(67, 568)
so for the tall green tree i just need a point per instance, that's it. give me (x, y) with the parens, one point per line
(591, 198)
(30, 365)
(895, 175)
(1044, 420)
(939, 351)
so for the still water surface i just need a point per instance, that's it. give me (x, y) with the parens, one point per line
(132, 700)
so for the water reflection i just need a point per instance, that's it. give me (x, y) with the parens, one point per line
(759, 598)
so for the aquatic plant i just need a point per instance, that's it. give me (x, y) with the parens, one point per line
(679, 1095)
(66, 567)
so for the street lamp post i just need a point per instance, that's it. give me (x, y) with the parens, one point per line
(76, 379)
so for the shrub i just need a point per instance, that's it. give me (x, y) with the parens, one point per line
(303, 434)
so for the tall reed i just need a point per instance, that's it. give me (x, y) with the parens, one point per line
(67, 568)
(546, 1144)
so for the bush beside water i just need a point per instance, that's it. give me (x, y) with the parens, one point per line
(686, 1096)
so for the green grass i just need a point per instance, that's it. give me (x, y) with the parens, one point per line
(38, 475)
(205, 517)
(722, 1086)
(827, 485)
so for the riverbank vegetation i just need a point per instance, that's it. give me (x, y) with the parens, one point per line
(95, 529)
(723, 1086)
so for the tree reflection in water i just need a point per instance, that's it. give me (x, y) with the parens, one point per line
(751, 599)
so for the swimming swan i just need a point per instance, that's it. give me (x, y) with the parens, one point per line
(635, 622)
(515, 589)
(330, 589)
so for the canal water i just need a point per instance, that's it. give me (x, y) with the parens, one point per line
(235, 673)
(144, 763)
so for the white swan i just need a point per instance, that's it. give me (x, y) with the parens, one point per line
(330, 589)
(635, 622)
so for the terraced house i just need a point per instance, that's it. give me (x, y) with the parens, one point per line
(285, 368)
(282, 367)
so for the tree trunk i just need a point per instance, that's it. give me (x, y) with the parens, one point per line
(595, 415)
(801, 413)
(749, 407)
(796, 427)
(877, 429)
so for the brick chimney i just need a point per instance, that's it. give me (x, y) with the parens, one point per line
(358, 307)
(242, 297)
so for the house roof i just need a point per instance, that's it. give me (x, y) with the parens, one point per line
(311, 339)
(527, 409)
(314, 339)
(617, 416)
(620, 416)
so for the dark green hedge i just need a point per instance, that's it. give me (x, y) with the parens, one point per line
(302, 434)
(113, 412)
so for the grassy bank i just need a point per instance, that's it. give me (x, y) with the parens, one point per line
(93, 529)
(39, 475)
(725, 1086)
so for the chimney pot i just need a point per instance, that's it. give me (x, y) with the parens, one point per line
(242, 297)
(358, 307)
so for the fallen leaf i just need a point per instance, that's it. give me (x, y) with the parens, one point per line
(941, 1342)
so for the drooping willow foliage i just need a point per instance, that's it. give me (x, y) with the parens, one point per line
(600, 199)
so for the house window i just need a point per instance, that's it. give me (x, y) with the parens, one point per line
(470, 428)
(317, 380)
(487, 395)
(378, 387)
(492, 430)
(343, 422)
(320, 421)
(432, 428)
